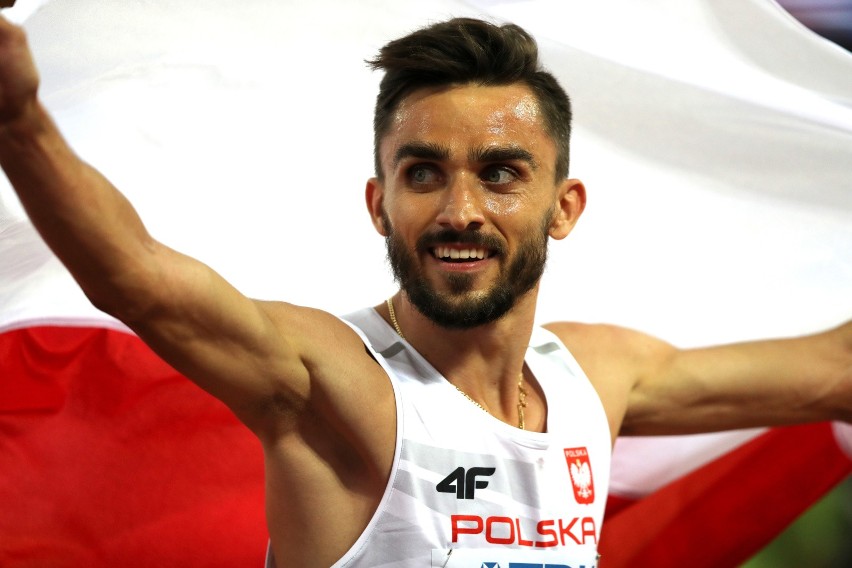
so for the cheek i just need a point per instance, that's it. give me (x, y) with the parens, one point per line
(409, 213)
(406, 216)
(503, 205)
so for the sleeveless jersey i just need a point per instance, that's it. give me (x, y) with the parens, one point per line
(468, 490)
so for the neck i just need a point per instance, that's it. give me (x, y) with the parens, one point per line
(485, 362)
(512, 331)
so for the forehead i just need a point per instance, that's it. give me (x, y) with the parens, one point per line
(470, 116)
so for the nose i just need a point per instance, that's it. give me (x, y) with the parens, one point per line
(460, 208)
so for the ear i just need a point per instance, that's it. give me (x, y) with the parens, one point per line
(571, 202)
(375, 195)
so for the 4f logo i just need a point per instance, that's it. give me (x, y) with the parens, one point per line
(465, 483)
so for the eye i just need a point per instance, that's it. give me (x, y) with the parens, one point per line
(422, 174)
(499, 175)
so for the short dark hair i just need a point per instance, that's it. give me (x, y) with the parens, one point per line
(467, 50)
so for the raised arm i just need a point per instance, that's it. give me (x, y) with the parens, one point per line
(244, 352)
(651, 387)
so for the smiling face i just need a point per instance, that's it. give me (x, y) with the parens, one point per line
(468, 199)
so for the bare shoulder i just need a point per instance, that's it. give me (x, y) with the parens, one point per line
(330, 350)
(307, 327)
(598, 346)
(615, 359)
(330, 372)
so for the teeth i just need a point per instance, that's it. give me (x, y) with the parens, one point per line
(459, 254)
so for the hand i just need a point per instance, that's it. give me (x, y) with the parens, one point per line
(18, 74)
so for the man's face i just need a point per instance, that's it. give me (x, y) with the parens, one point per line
(468, 200)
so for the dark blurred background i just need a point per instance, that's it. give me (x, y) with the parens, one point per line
(831, 19)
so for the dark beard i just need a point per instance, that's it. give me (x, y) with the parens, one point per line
(453, 309)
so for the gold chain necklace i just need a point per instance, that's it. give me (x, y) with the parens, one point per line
(522, 392)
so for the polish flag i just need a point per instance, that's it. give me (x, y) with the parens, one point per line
(716, 499)
(716, 158)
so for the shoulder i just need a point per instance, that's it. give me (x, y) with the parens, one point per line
(339, 387)
(310, 328)
(614, 358)
(330, 357)
(591, 341)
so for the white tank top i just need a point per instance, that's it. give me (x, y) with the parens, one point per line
(467, 490)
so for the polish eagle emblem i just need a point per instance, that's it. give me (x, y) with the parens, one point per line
(580, 470)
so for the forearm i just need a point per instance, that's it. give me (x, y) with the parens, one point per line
(90, 226)
(760, 383)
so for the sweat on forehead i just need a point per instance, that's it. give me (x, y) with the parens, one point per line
(478, 124)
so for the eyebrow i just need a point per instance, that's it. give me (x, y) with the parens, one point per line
(436, 152)
(502, 154)
(422, 151)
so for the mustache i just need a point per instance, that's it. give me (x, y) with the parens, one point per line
(466, 237)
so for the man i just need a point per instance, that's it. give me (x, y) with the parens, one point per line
(442, 427)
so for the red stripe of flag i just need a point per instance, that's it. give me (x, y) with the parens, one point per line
(724, 512)
(108, 457)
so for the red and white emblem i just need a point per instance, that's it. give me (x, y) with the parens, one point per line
(581, 475)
